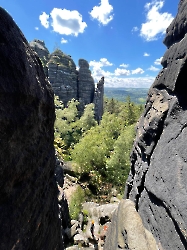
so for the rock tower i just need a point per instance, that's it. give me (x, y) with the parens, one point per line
(69, 83)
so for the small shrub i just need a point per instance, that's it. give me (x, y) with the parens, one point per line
(76, 201)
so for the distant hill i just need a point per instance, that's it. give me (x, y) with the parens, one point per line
(137, 95)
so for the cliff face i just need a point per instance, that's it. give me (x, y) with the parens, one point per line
(157, 181)
(62, 75)
(28, 193)
(67, 82)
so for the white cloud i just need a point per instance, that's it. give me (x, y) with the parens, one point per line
(36, 28)
(153, 68)
(137, 71)
(124, 65)
(158, 61)
(120, 77)
(66, 22)
(146, 54)
(102, 12)
(135, 82)
(156, 22)
(64, 40)
(102, 62)
(135, 29)
(44, 20)
(121, 72)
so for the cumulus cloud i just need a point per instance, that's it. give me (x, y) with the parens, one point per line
(102, 12)
(121, 72)
(156, 22)
(158, 61)
(101, 63)
(44, 20)
(146, 54)
(64, 22)
(120, 77)
(153, 68)
(124, 65)
(64, 40)
(137, 71)
(36, 28)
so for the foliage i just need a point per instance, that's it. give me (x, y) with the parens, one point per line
(118, 165)
(69, 126)
(138, 95)
(76, 201)
(101, 152)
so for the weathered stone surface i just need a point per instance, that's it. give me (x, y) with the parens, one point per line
(98, 99)
(62, 75)
(28, 192)
(127, 231)
(178, 28)
(67, 82)
(39, 47)
(157, 180)
(85, 83)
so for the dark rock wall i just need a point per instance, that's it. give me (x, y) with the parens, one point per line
(157, 180)
(28, 193)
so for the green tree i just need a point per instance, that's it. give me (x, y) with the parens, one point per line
(118, 165)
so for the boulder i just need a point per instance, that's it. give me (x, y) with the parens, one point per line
(127, 231)
(29, 215)
(157, 180)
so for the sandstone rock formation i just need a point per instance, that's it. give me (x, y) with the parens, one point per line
(157, 180)
(85, 83)
(62, 75)
(67, 82)
(127, 230)
(98, 99)
(29, 215)
(43, 53)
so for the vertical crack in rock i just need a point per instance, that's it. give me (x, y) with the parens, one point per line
(181, 231)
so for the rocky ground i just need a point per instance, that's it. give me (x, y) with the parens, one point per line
(89, 230)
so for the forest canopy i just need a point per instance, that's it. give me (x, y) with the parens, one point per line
(100, 153)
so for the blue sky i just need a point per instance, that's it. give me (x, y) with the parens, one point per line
(121, 39)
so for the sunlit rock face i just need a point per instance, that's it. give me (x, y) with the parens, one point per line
(157, 181)
(29, 216)
(69, 83)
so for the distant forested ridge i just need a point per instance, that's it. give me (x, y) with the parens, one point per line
(137, 95)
